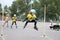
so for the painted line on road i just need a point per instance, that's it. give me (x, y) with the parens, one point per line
(44, 36)
(2, 37)
(2, 32)
(49, 38)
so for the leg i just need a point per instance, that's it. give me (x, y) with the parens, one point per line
(51, 26)
(25, 24)
(12, 24)
(16, 24)
(7, 23)
(4, 23)
(35, 27)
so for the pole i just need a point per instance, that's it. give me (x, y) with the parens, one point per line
(2, 29)
(31, 5)
(2, 14)
(44, 12)
(44, 35)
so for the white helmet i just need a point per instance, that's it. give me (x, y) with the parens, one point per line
(14, 14)
(33, 10)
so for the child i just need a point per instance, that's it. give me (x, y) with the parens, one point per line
(14, 19)
(31, 18)
(6, 20)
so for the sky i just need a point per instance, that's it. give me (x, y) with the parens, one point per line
(6, 2)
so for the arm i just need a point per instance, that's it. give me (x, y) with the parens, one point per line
(25, 19)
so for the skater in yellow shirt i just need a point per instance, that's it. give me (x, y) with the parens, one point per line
(6, 20)
(31, 18)
(14, 19)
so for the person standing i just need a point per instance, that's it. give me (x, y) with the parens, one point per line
(14, 19)
(6, 21)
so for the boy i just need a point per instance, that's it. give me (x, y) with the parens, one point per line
(14, 19)
(6, 20)
(31, 18)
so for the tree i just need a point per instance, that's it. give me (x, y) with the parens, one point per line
(5, 10)
(13, 8)
(52, 7)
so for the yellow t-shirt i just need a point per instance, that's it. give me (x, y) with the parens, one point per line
(31, 17)
(59, 24)
(14, 19)
(7, 18)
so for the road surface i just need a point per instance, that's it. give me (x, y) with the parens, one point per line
(29, 33)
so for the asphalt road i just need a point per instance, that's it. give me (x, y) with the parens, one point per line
(29, 33)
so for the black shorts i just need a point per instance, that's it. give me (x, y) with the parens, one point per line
(31, 21)
(14, 22)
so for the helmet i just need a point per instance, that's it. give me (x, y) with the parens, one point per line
(14, 14)
(33, 10)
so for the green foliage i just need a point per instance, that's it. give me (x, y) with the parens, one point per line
(13, 8)
(52, 8)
